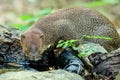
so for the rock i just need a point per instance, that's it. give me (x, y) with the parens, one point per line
(115, 51)
(13, 59)
(10, 48)
(90, 48)
(69, 62)
(12, 56)
(117, 76)
(107, 65)
(47, 75)
(85, 50)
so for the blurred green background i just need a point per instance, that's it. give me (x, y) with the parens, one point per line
(23, 13)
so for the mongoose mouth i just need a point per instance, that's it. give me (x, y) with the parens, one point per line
(35, 58)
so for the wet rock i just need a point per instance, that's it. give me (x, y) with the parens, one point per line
(13, 59)
(10, 48)
(85, 50)
(107, 65)
(90, 48)
(98, 60)
(69, 62)
(12, 56)
(47, 75)
(117, 76)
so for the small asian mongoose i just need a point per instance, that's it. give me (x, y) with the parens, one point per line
(70, 23)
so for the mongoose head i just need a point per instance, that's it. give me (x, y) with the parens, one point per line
(32, 44)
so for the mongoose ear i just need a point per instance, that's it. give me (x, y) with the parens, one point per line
(22, 37)
(41, 36)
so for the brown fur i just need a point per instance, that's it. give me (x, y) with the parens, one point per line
(71, 23)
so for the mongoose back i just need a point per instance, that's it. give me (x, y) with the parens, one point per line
(70, 23)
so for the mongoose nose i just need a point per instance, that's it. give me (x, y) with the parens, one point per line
(33, 57)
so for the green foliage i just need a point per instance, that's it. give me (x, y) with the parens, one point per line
(25, 17)
(71, 43)
(29, 19)
(111, 1)
(97, 37)
(67, 43)
(96, 3)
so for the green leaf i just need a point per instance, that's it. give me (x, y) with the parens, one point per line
(25, 27)
(21, 27)
(45, 12)
(25, 17)
(61, 41)
(30, 20)
(65, 46)
(97, 37)
(95, 3)
(75, 48)
(60, 45)
(33, 19)
(16, 25)
(73, 40)
(67, 43)
(82, 55)
(111, 1)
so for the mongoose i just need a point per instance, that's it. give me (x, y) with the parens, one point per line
(70, 23)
